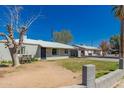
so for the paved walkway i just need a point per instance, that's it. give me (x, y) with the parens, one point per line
(120, 84)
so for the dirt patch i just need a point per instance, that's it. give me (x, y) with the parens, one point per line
(6, 70)
(38, 74)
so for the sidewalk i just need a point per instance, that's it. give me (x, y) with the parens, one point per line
(120, 84)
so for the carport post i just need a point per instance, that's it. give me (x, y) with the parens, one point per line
(88, 76)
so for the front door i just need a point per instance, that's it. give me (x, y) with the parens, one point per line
(82, 53)
(43, 53)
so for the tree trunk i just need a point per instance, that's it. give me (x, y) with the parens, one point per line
(14, 56)
(122, 39)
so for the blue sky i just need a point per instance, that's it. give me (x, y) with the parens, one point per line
(88, 24)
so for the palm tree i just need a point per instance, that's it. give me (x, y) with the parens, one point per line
(119, 12)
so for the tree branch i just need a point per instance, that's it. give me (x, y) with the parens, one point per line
(21, 36)
(17, 16)
(11, 12)
(6, 37)
(28, 24)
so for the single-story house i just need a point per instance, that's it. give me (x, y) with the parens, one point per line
(39, 49)
(83, 50)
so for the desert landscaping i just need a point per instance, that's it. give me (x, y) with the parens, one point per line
(59, 73)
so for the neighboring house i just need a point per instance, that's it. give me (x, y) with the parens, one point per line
(39, 49)
(83, 50)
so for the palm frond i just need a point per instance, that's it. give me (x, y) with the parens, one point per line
(118, 10)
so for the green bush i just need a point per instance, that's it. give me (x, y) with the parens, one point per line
(34, 59)
(6, 62)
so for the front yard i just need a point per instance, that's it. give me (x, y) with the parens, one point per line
(57, 73)
(75, 65)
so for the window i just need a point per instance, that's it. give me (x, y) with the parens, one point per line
(66, 51)
(21, 50)
(54, 51)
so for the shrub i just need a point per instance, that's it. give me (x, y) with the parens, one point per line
(34, 59)
(6, 62)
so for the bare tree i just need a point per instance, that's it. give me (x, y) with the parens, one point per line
(105, 47)
(15, 24)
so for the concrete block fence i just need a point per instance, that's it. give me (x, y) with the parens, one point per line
(106, 81)
(110, 79)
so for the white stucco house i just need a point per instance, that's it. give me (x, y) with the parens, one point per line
(39, 49)
(83, 50)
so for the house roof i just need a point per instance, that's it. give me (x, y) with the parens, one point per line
(47, 44)
(87, 47)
